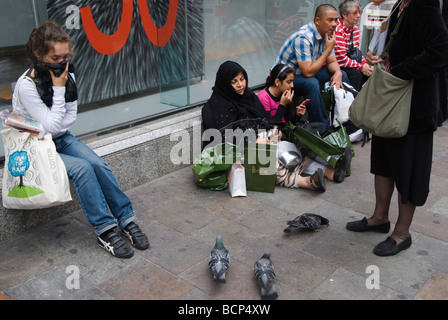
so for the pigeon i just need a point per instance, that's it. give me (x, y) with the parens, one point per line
(265, 275)
(307, 220)
(219, 261)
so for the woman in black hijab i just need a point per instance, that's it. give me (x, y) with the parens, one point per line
(231, 99)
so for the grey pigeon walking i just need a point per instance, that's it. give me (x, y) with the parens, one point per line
(265, 274)
(219, 261)
(307, 220)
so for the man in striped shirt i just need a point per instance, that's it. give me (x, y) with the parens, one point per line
(310, 52)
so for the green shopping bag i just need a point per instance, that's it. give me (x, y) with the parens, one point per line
(312, 143)
(211, 165)
(340, 139)
(260, 167)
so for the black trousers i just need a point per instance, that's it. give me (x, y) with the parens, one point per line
(355, 77)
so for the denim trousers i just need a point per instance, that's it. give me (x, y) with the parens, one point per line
(309, 88)
(95, 185)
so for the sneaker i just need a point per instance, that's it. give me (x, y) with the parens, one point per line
(114, 244)
(136, 236)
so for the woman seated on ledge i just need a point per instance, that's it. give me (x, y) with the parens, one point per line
(233, 100)
(47, 93)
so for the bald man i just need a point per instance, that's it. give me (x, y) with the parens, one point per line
(310, 52)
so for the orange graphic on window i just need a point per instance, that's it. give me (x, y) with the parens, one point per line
(111, 44)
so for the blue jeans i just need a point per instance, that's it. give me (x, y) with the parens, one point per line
(95, 185)
(309, 88)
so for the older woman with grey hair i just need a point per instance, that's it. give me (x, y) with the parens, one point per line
(347, 51)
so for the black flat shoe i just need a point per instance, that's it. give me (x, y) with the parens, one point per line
(389, 247)
(361, 226)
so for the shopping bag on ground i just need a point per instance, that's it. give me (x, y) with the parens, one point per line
(260, 162)
(312, 143)
(237, 180)
(211, 165)
(339, 138)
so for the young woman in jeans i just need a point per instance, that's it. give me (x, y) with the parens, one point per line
(47, 93)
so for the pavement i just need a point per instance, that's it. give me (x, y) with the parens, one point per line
(61, 260)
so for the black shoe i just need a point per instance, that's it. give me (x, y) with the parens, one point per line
(112, 243)
(136, 236)
(389, 247)
(343, 164)
(361, 226)
(318, 180)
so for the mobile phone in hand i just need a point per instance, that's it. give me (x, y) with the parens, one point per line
(306, 101)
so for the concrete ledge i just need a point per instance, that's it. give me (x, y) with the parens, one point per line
(135, 156)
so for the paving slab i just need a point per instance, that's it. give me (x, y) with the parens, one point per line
(436, 288)
(182, 221)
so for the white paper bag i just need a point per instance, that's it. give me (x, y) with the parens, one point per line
(237, 180)
(34, 175)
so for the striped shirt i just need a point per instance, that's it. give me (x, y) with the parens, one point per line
(306, 44)
(342, 43)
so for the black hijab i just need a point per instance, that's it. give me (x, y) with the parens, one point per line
(226, 105)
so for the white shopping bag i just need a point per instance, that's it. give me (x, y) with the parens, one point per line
(34, 175)
(237, 180)
(342, 99)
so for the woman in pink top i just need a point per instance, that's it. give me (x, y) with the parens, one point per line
(276, 97)
(278, 94)
(347, 39)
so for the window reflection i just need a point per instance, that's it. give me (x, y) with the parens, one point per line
(247, 31)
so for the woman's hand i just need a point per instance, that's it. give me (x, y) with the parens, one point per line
(279, 135)
(62, 79)
(300, 110)
(287, 97)
(372, 59)
(367, 69)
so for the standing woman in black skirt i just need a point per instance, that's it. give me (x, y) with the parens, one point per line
(419, 52)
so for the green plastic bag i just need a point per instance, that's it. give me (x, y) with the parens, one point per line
(340, 139)
(211, 165)
(312, 143)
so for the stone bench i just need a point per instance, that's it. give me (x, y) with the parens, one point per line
(135, 155)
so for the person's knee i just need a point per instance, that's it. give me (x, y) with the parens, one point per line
(306, 85)
(80, 169)
(98, 164)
